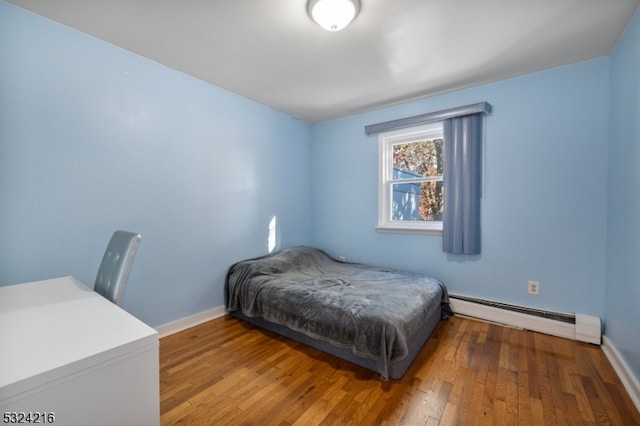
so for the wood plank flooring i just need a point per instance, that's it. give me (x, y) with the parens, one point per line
(470, 372)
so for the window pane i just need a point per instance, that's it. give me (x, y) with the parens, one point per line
(416, 159)
(417, 201)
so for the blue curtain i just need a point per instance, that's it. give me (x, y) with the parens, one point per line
(462, 184)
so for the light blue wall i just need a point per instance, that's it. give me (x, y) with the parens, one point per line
(623, 224)
(94, 139)
(544, 200)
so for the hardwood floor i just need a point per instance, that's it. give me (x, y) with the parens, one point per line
(469, 372)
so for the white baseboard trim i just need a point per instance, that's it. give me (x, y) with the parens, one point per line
(513, 319)
(629, 381)
(192, 321)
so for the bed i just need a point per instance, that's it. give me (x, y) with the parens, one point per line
(374, 317)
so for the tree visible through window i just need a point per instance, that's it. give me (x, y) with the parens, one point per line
(420, 162)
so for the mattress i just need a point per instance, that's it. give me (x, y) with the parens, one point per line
(374, 315)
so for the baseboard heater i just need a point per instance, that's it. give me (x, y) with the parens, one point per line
(584, 328)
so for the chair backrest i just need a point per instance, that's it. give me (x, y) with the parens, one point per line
(116, 265)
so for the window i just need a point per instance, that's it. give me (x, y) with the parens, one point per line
(411, 166)
(417, 193)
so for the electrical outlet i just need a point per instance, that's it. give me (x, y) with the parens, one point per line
(534, 287)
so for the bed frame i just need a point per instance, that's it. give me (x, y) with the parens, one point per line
(396, 369)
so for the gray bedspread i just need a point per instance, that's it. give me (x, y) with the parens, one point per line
(372, 310)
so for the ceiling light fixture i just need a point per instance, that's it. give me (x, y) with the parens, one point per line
(333, 15)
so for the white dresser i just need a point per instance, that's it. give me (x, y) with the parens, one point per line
(68, 351)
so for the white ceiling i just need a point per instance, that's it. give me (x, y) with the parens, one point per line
(395, 50)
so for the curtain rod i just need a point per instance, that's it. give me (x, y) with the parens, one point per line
(481, 107)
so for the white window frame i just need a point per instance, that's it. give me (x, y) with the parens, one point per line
(386, 141)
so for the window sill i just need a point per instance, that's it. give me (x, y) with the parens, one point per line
(436, 230)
